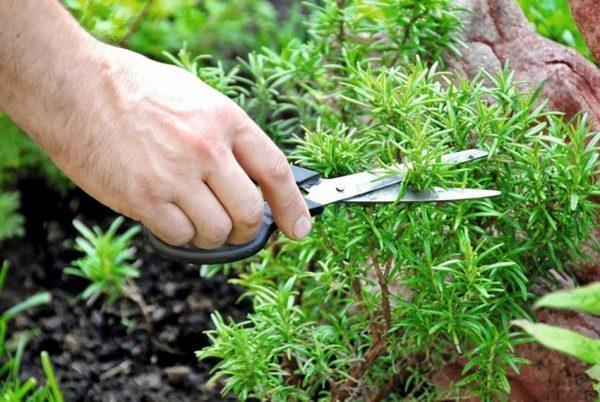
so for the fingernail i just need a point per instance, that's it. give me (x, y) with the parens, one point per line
(302, 227)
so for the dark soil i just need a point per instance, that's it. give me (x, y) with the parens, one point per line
(109, 354)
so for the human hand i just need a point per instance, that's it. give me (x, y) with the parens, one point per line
(159, 146)
(147, 139)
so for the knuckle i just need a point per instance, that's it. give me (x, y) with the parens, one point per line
(178, 238)
(227, 110)
(218, 231)
(204, 146)
(141, 190)
(251, 217)
(210, 150)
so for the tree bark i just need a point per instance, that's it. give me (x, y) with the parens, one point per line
(587, 17)
(497, 32)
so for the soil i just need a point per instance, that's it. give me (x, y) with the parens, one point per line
(97, 355)
(551, 375)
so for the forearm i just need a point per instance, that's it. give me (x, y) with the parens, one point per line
(148, 139)
(45, 58)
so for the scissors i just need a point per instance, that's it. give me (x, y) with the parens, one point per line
(359, 188)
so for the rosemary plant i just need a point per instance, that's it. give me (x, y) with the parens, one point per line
(107, 260)
(378, 298)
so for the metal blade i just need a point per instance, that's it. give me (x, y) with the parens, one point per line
(437, 194)
(327, 191)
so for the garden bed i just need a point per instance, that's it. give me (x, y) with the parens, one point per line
(323, 309)
(95, 355)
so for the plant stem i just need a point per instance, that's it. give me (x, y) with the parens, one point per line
(382, 278)
(374, 329)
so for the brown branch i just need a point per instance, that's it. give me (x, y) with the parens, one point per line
(379, 343)
(382, 278)
(373, 353)
(341, 34)
(387, 389)
(360, 303)
(341, 38)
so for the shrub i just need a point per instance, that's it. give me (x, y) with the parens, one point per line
(106, 262)
(378, 298)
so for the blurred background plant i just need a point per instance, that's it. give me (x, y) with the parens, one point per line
(554, 20)
(223, 28)
(585, 299)
(12, 387)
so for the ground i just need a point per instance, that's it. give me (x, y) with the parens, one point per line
(97, 355)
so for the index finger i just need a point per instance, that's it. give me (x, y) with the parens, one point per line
(264, 162)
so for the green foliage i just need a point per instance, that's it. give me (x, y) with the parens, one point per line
(12, 387)
(18, 154)
(564, 340)
(584, 299)
(391, 292)
(223, 28)
(12, 221)
(107, 260)
(553, 19)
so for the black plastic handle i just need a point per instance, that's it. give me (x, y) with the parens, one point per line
(223, 254)
(239, 252)
(220, 255)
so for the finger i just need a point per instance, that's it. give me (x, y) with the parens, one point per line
(265, 163)
(169, 223)
(240, 198)
(211, 222)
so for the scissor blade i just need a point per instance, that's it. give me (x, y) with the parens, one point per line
(391, 193)
(328, 191)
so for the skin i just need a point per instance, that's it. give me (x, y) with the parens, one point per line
(149, 140)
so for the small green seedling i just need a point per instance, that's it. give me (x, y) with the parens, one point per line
(107, 260)
(585, 299)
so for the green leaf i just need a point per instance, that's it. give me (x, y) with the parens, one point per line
(563, 340)
(584, 299)
(33, 301)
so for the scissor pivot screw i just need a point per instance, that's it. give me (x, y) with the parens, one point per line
(340, 189)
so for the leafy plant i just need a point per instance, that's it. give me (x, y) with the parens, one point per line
(585, 299)
(223, 28)
(107, 260)
(12, 388)
(379, 297)
(553, 19)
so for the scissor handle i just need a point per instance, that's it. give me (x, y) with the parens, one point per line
(232, 253)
